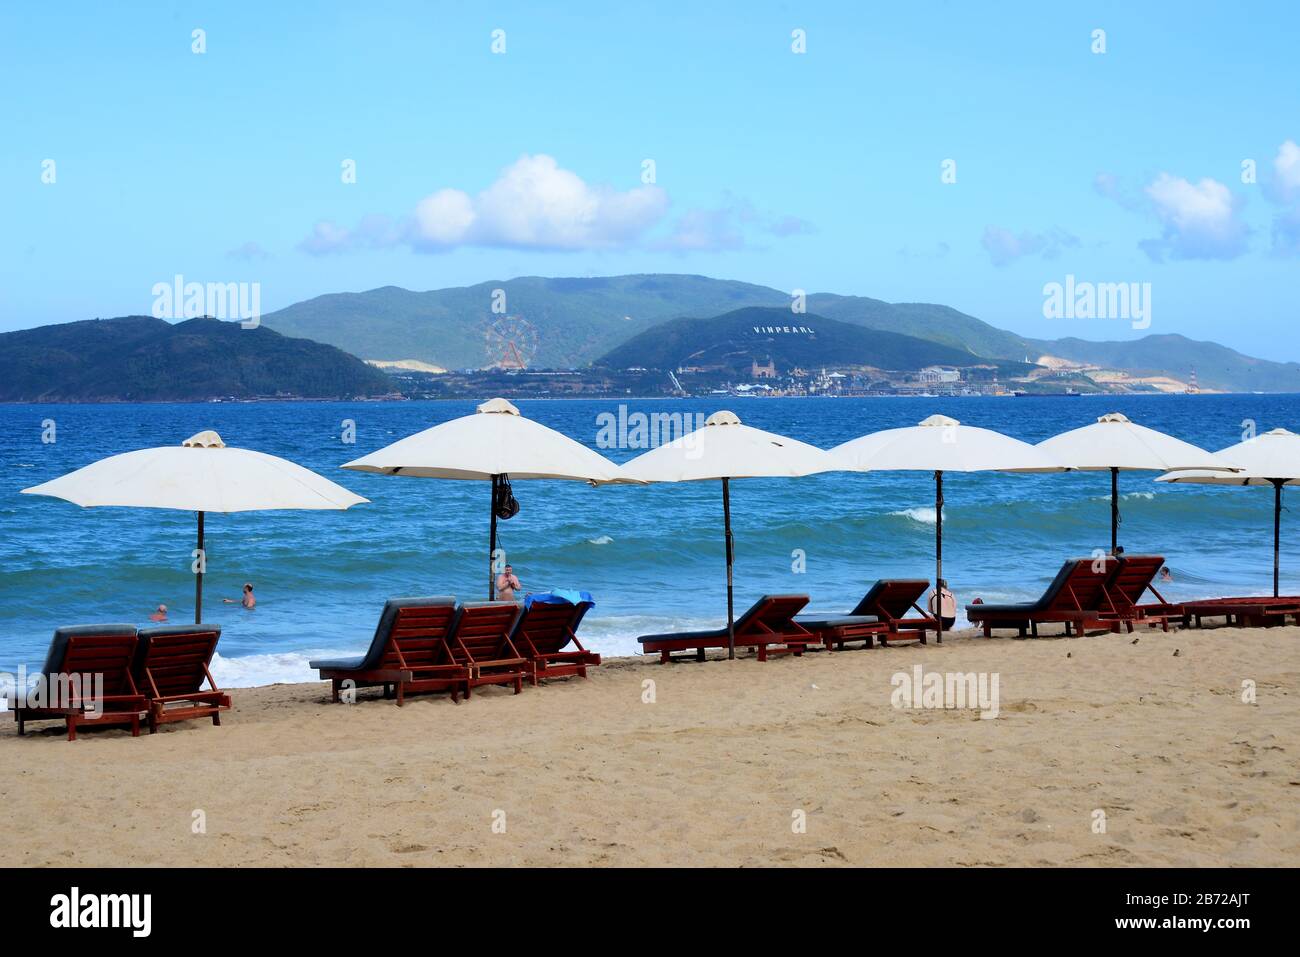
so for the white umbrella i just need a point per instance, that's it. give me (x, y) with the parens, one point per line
(495, 443)
(199, 475)
(1269, 459)
(725, 449)
(1113, 443)
(940, 444)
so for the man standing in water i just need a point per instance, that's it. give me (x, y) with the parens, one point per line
(248, 601)
(507, 584)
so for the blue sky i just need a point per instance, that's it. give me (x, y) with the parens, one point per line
(819, 170)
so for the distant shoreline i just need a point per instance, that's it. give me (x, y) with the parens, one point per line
(478, 397)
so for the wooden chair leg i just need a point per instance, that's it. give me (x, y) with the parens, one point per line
(72, 727)
(335, 685)
(216, 718)
(401, 693)
(135, 726)
(699, 654)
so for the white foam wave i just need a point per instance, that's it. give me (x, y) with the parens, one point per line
(288, 667)
(602, 540)
(925, 514)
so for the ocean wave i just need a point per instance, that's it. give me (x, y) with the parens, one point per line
(286, 667)
(602, 540)
(925, 515)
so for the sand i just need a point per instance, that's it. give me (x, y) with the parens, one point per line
(721, 769)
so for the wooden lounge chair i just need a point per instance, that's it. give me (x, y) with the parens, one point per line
(547, 627)
(409, 652)
(480, 644)
(768, 627)
(1249, 612)
(171, 664)
(890, 600)
(1134, 576)
(1076, 597)
(79, 660)
(834, 631)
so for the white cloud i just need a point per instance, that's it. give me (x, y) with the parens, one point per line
(326, 237)
(1201, 220)
(533, 204)
(1004, 246)
(1110, 186)
(1284, 189)
(1286, 171)
(444, 218)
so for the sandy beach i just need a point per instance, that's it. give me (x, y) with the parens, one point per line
(720, 769)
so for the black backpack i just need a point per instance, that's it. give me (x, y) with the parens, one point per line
(505, 505)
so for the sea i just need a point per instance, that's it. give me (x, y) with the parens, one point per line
(652, 556)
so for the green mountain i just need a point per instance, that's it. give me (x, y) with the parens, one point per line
(924, 321)
(142, 359)
(1217, 367)
(567, 323)
(733, 341)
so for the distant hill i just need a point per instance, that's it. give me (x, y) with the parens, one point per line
(143, 359)
(571, 322)
(807, 341)
(1217, 367)
(924, 321)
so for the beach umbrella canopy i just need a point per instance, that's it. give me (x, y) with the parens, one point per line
(1114, 444)
(724, 449)
(200, 475)
(1269, 459)
(493, 444)
(940, 444)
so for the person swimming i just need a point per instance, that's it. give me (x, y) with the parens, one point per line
(160, 614)
(248, 601)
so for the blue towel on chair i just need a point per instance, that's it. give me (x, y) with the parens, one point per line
(559, 596)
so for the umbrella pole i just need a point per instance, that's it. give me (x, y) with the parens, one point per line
(492, 545)
(1114, 511)
(726, 523)
(198, 578)
(1277, 531)
(938, 553)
